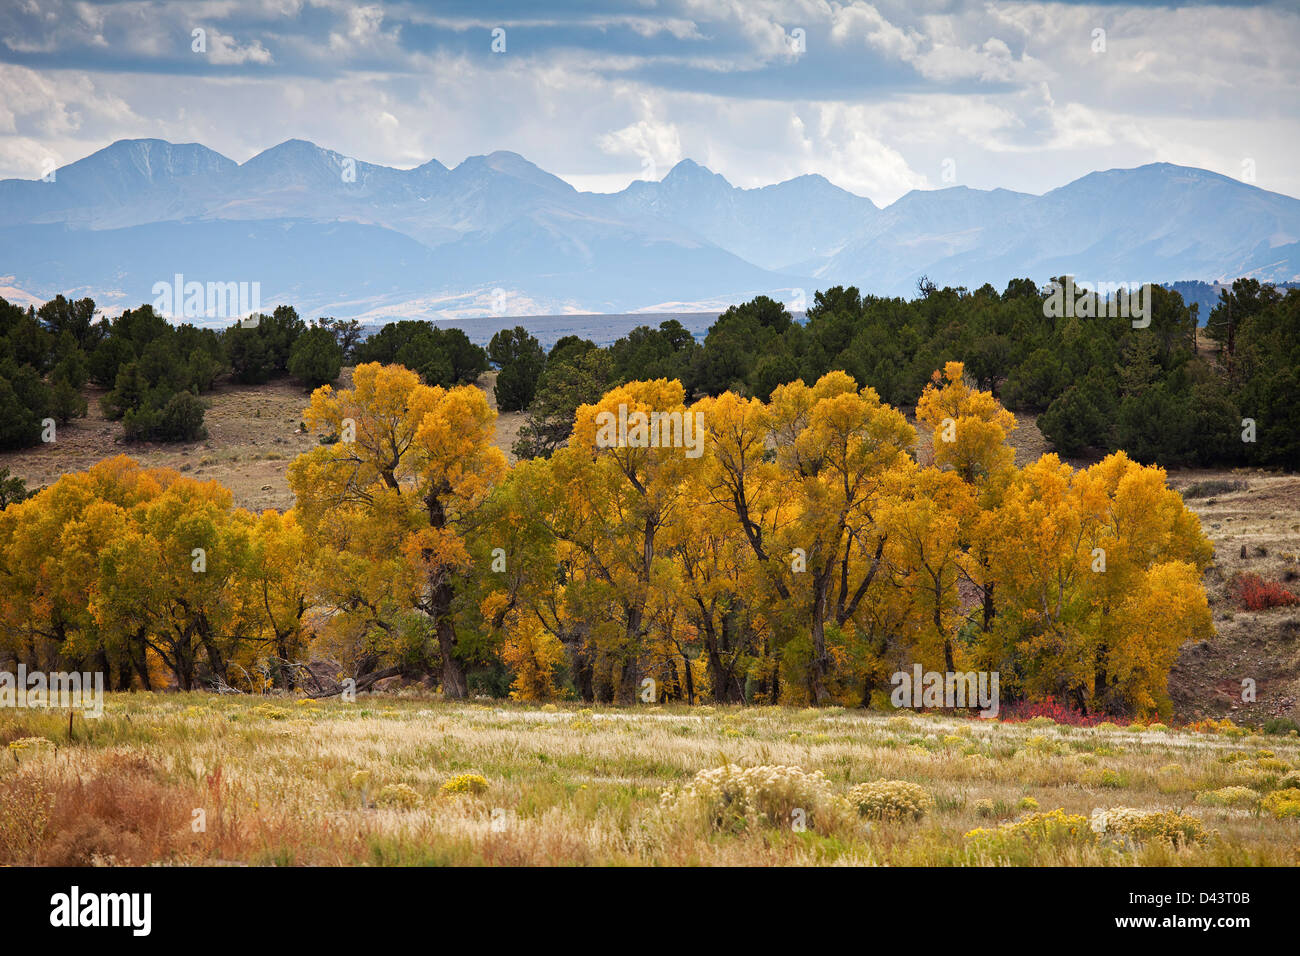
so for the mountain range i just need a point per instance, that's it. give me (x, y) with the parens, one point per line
(496, 234)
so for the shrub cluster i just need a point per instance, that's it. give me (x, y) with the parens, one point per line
(1253, 593)
(153, 370)
(1224, 727)
(891, 800)
(1141, 826)
(1282, 803)
(444, 357)
(1051, 710)
(1229, 797)
(398, 795)
(471, 783)
(732, 799)
(1054, 828)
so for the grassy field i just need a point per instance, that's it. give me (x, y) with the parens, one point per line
(198, 778)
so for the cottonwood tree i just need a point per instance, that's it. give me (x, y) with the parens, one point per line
(968, 436)
(390, 501)
(50, 556)
(925, 534)
(1099, 577)
(795, 546)
(275, 594)
(172, 577)
(611, 503)
(817, 496)
(128, 568)
(522, 578)
(715, 580)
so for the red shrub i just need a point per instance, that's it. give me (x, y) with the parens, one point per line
(1061, 713)
(1253, 593)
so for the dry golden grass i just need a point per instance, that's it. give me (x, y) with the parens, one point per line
(253, 434)
(285, 782)
(1257, 513)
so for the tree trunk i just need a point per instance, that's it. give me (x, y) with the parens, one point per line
(627, 682)
(454, 686)
(585, 675)
(1100, 681)
(723, 679)
(141, 661)
(630, 670)
(948, 663)
(286, 672)
(675, 680)
(817, 673)
(726, 689)
(214, 654)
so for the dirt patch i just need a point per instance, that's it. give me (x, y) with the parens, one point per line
(1255, 527)
(253, 434)
(1030, 445)
(508, 423)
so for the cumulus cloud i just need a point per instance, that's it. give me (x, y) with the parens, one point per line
(861, 21)
(363, 29)
(57, 105)
(879, 97)
(225, 50)
(655, 144)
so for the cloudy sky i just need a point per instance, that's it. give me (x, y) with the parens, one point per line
(879, 97)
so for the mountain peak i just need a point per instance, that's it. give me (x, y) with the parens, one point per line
(148, 146)
(812, 179)
(1132, 184)
(291, 150)
(432, 166)
(500, 220)
(147, 161)
(511, 164)
(146, 142)
(689, 171)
